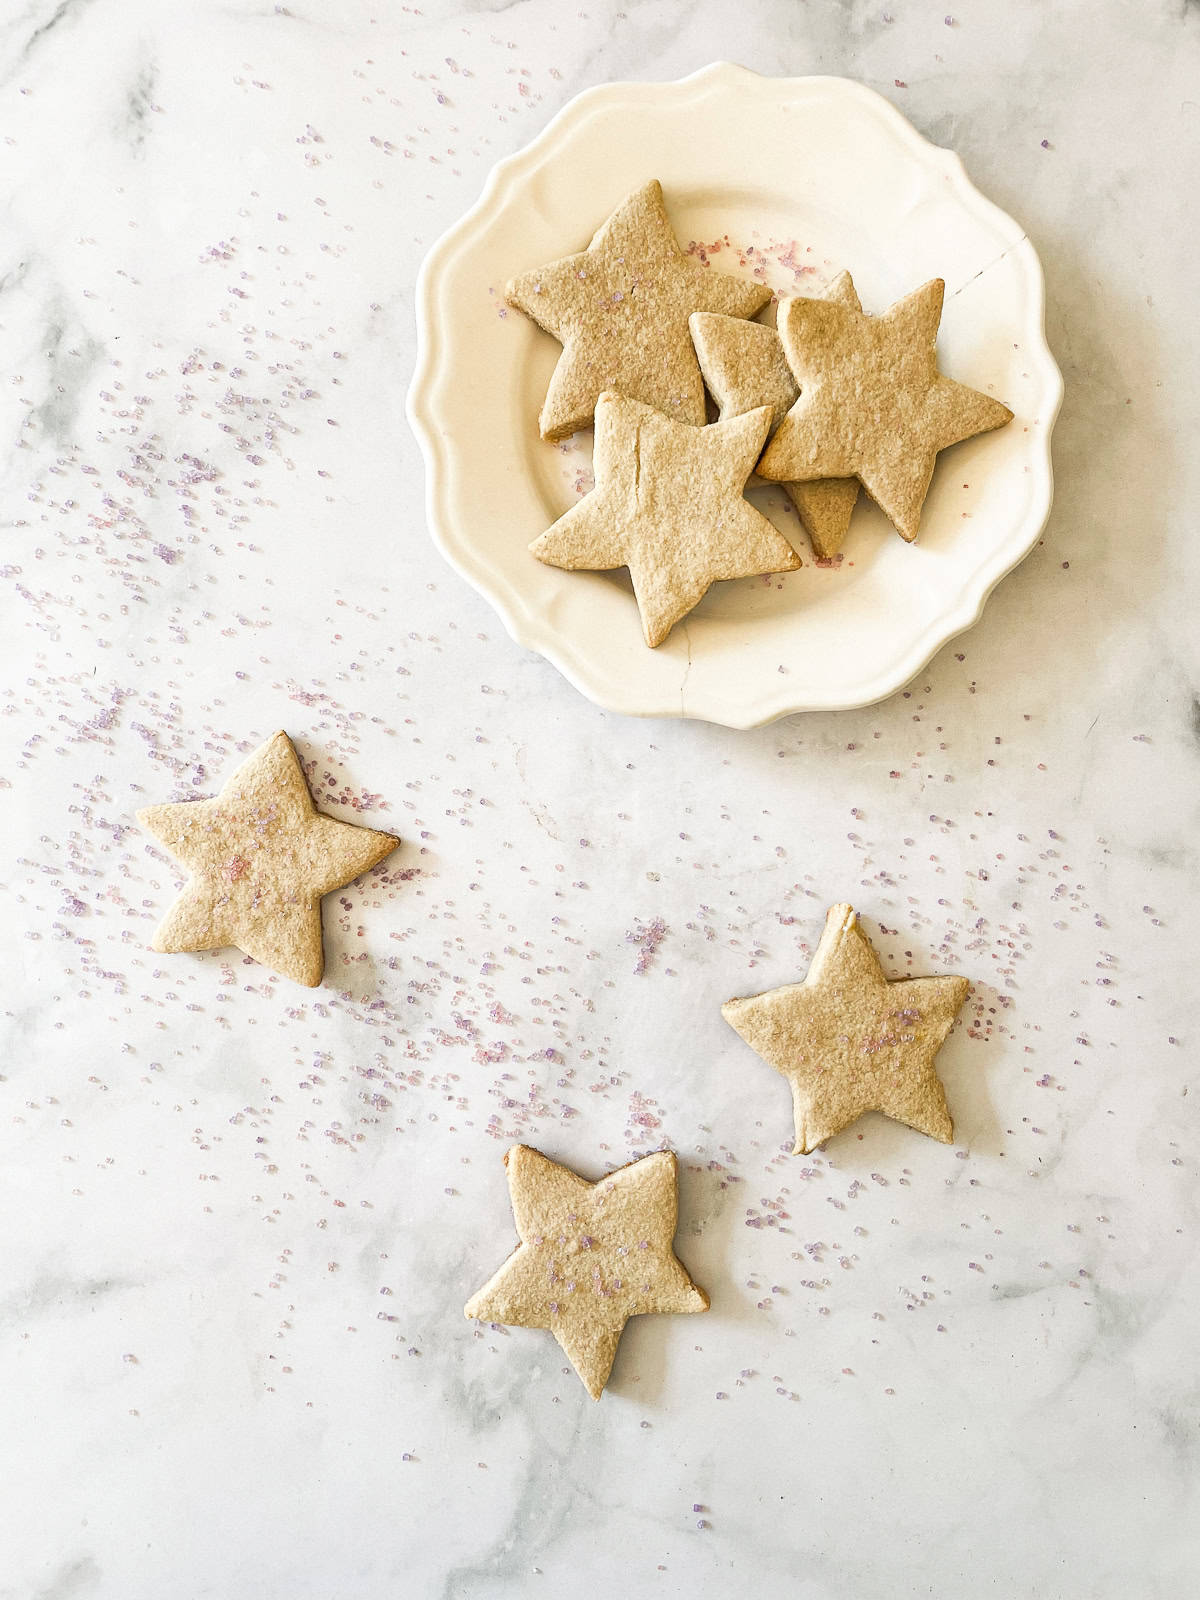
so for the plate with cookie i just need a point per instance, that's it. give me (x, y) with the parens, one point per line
(734, 395)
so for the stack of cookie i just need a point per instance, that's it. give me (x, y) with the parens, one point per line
(833, 400)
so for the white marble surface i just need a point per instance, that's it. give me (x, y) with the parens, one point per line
(240, 1219)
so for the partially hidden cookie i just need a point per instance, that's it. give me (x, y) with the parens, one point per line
(744, 366)
(259, 857)
(620, 310)
(848, 1041)
(872, 402)
(591, 1256)
(668, 505)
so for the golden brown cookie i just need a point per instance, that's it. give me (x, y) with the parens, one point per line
(620, 310)
(744, 366)
(260, 856)
(872, 401)
(848, 1041)
(591, 1256)
(668, 505)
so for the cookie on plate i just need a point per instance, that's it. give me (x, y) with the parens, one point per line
(668, 505)
(848, 1041)
(872, 403)
(591, 1256)
(620, 311)
(744, 366)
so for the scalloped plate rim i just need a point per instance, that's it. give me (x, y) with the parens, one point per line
(470, 562)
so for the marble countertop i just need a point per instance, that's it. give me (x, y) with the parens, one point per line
(241, 1218)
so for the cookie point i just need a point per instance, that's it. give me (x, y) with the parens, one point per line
(553, 432)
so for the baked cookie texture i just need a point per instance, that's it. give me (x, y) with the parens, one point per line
(668, 505)
(259, 857)
(850, 1041)
(591, 1256)
(744, 366)
(620, 310)
(872, 402)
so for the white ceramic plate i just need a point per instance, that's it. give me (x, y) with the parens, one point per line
(812, 175)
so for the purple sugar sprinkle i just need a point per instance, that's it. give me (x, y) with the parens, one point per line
(647, 936)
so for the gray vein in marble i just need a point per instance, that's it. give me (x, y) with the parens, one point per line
(548, 1494)
(75, 1579)
(70, 368)
(139, 101)
(48, 1293)
(70, 354)
(23, 51)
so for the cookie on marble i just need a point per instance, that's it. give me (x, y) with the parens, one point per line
(620, 311)
(259, 857)
(591, 1256)
(872, 403)
(668, 505)
(850, 1041)
(744, 366)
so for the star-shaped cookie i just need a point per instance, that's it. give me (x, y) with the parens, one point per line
(872, 401)
(620, 310)
(848, 1041)
(668, 505)
(744, 366)
(260, 856)
(591, 1256)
